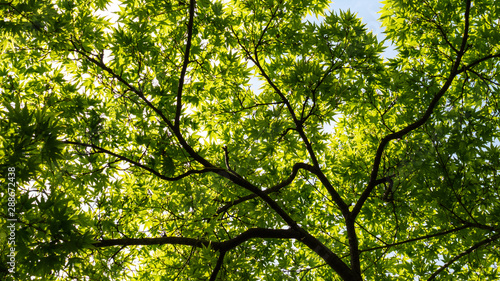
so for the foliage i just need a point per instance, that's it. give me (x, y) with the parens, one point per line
(238, 140)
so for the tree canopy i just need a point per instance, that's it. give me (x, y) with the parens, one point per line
(240, 140)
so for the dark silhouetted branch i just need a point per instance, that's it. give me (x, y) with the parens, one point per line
(466, 252)
(378, 156)
(192, 4)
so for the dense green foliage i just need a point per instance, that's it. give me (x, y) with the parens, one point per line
(143, 150)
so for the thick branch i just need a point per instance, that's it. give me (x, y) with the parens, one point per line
(153, 241)
(164, 118)
(313, 243)
(334, 261)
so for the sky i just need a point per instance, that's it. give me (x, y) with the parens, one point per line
(367, 10)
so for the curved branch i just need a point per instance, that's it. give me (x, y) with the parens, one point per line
(295, 169)
(466, 252)
(221, 172)
(380, 150)
(314, 244)
(199, 243)
(255, 59)
(332, 259)
(226, 160)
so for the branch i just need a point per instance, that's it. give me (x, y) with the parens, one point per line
(152, 241)
(218, 266)
(313, 243)
(478, 61)
(273, 15)
(417, 238)
(276, 188)
(178, 108)
(326, 254)
(466, 252)
(199, 243)
(255, 59)
(378, 156)
(226, 160)
(299, 128)
(144, 167)
(439, 27)
(208, 166)
(298, 123)
(254, 189)
(139, 93)
(33, 24)
(333, 260)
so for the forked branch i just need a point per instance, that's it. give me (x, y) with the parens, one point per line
(378, 156)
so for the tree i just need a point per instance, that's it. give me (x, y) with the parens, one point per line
(141, 149)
